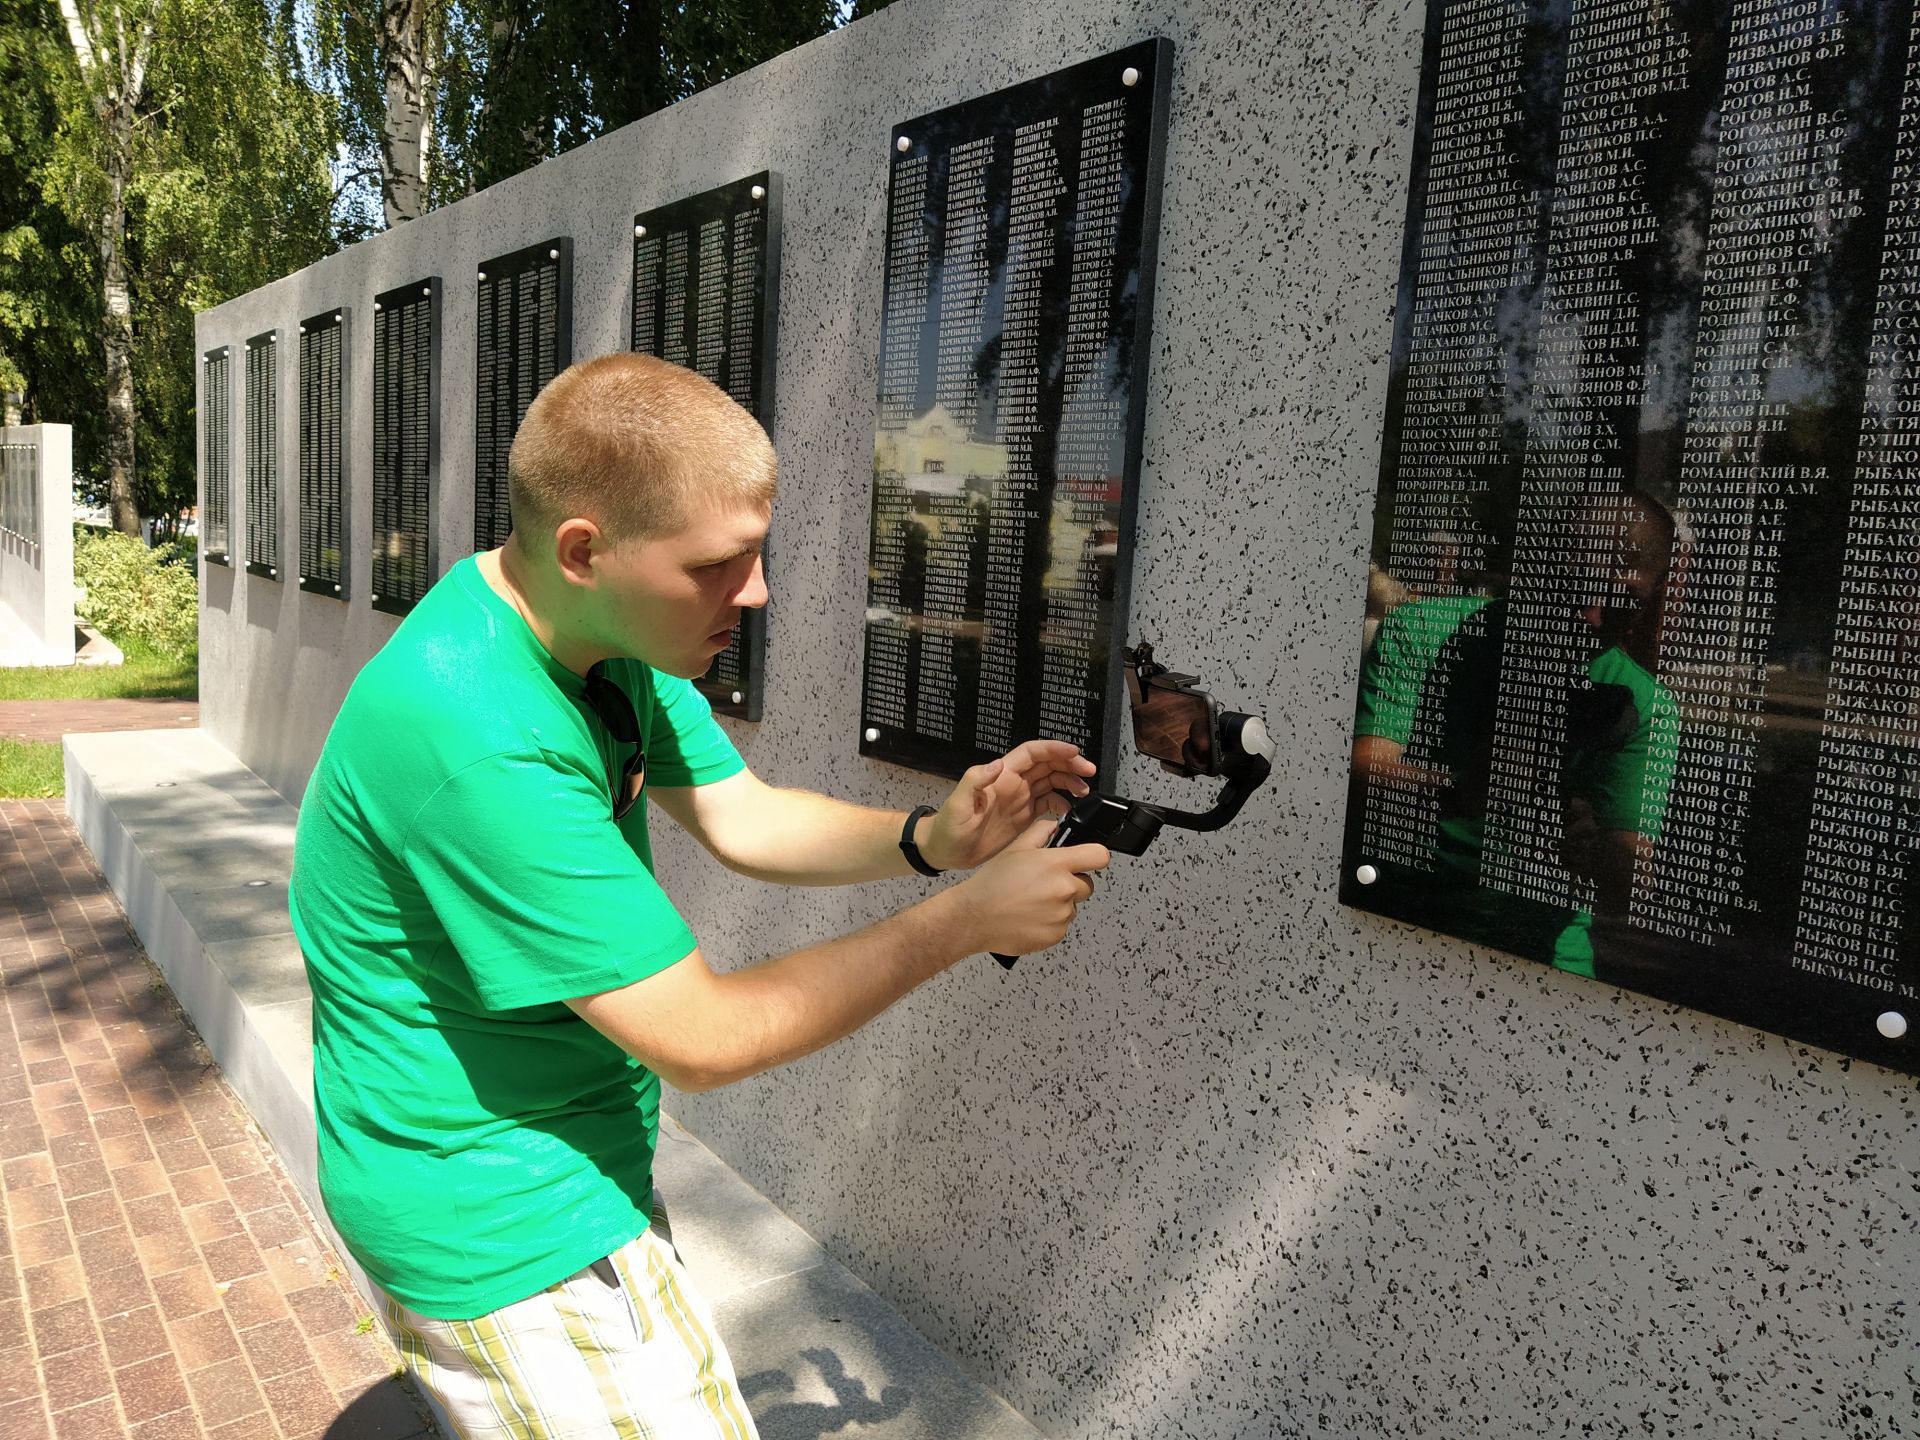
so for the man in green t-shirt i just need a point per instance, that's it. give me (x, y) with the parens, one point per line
(500, 983)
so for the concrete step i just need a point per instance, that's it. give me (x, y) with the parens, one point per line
(199, 851)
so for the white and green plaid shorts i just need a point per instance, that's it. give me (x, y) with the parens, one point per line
(622, 1350)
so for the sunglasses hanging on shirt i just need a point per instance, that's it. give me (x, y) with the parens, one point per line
(615, 710)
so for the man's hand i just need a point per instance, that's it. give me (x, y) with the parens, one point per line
(1026, 898)
(995, 802)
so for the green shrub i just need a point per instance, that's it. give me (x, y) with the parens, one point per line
(133, 598)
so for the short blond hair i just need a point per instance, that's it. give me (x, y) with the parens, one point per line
(636, 445)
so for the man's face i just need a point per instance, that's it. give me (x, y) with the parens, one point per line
(674, 600)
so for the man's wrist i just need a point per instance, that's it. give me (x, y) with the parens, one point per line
(918, 843)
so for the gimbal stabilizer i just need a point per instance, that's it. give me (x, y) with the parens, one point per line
(1184, 728)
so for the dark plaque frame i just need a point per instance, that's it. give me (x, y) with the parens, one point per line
(406, 445)
(673, 246)
(990, 371)
(261, 423)
(514, 290)
(326, 491)
(216, 454)
(1640, 694)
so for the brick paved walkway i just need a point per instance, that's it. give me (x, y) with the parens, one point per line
(50, 719)
(160, 1278)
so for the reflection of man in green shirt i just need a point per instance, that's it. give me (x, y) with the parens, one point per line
(1619, 748)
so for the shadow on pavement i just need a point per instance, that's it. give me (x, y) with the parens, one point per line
(805, 1420)
(386, 1410)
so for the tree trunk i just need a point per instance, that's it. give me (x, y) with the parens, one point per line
(117, 329)
(406, 139)
(114, 67)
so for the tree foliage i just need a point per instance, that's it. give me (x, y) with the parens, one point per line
(227, 186)
(514, 82)
(255, 145)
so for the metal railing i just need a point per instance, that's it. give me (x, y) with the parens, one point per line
(20, 492)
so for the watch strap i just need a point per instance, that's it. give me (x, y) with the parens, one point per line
(911, 850)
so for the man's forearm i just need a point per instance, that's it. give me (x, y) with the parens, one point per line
(698, 1030)
(807, 999)
(801, 838)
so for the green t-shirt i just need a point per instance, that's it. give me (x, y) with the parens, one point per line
(1627, 781)
(457, 875)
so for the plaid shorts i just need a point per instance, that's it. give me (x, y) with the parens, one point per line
(622, 1350)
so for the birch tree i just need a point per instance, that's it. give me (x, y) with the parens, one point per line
(112, 44)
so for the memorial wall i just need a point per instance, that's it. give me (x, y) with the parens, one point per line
(1239, 1158)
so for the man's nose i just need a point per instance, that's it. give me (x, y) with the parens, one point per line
(753, 594)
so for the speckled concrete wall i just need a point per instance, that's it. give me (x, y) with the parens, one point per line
(1233, 1161)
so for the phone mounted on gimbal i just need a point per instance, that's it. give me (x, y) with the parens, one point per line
(1190, 734)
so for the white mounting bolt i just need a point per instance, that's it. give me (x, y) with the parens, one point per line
(903, 144)
(425, 290)
(482, 274)
(872, 734)
(337, 316)
(639, 232)
(1891, 1024)
(255, 884)
(759, 192)
(1366, 874)
(1130, 77)
(336, 589)
(553, 254)
(378, 306)
(738, 698)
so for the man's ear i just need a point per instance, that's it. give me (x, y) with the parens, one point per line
(575, 543)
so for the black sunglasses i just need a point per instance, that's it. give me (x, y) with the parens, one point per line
(615, 710)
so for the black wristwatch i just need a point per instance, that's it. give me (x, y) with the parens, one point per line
(911, 850)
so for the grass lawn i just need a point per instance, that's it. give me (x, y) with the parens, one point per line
(30, 769)
(142, 677)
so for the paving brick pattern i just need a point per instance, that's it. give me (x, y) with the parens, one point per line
(50, 719)
(160, 1278)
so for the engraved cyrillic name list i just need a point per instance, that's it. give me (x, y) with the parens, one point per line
(1477, 235)
(1775, 198)
(742, 312)
(1033, 217)
(906, 313)
(952, 521)
(1588, 382)
(710, 302)
(1089, 423)
(676, 341)
(1865, 823)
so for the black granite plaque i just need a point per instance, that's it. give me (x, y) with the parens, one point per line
(216, 457)
(1013, 352)
(323, 455)
(1640, 695)
(706, 295)
(523, 338)
(406, 445)
(262, 425)
(20, 491)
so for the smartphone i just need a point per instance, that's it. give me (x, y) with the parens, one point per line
(1174, 722)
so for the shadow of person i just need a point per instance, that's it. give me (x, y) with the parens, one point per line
(388, 1409)
(806, 1420)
